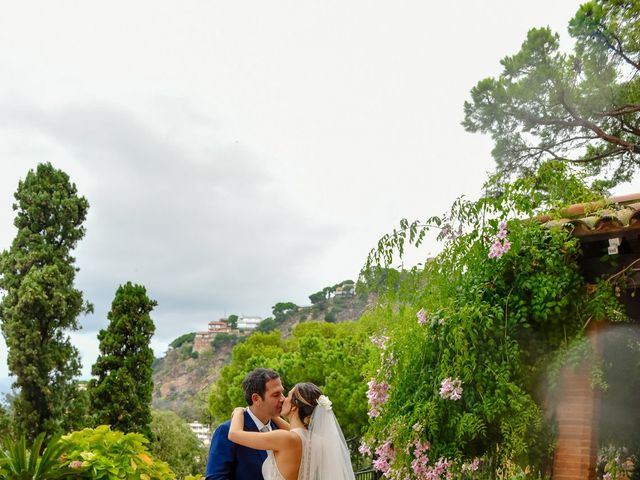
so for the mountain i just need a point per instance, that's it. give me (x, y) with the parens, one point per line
(183, 377)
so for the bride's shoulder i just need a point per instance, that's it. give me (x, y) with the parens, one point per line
(301, 432)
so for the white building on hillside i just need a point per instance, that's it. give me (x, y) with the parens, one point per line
(248, 323)
(201, 431)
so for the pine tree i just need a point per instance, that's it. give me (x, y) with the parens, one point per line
(121, 392)
(40, 304)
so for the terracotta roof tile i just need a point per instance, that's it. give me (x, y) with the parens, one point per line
(611, 215)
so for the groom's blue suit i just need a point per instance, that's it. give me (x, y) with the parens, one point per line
(230, 461)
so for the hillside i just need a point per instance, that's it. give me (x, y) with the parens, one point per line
(182, 378)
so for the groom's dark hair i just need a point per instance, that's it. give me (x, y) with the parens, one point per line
(256, 382)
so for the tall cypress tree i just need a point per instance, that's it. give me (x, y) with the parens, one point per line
(40, 304)
(121, 392)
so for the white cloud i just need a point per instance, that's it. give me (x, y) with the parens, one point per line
(236, 154)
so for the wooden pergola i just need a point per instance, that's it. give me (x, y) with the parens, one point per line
(610, 236)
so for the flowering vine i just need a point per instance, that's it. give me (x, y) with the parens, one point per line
(501, 243)
(451, 389)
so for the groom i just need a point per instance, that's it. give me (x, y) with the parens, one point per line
(228, 461)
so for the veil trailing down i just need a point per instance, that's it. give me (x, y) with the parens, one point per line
(326, 455)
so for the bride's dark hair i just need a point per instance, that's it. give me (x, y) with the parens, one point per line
(305, 397)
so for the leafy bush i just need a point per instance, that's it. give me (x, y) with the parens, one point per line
(330, 316)
(18, 462)
(175, 443)
(104, 454)
(267, 325)
(223, 339)
(186, 338)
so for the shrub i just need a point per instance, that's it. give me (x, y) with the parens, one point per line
(101, 453)
(186, 338)
(18, 462)
(175, 443)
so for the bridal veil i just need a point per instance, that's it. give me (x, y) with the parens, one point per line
(325, 455)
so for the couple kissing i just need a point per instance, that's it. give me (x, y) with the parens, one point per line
(258, 443)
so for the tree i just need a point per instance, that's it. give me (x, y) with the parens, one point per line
(282, 310)
(581, 107)
(5, 422)
(186, 338)
(41, 305)
(317, 297)
(175, 443)
(267, 325)
(121, 392)
(232, 321)
(315, 353)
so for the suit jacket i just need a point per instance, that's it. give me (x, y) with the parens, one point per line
(230, 461)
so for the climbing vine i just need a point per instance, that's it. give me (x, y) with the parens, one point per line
(467, 360)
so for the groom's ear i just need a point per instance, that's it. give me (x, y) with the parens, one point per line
(255, 397)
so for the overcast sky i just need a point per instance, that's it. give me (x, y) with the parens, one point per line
(237, 154)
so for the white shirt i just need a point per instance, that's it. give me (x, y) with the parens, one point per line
(257, 421)
(259, 424)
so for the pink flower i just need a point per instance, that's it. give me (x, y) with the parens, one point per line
(364, 449)
(501, 244)
(422, 316)
(502, 230)
(451, 389)
(377, 395)
(496, 250)
(379, 341)
(386, 455)
(75, 464)
(471, 467)
(506, 246)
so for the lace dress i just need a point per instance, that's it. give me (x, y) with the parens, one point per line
(270, 469)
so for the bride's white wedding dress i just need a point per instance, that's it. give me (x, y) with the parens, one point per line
(270, 469)
(325, 455)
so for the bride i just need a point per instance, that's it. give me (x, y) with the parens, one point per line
(311, 447)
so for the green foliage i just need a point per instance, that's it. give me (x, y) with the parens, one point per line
(40, 304)
(223, 339)
(330, 316)
(175, 443)
(5, 422)
(283, 310)
(330, 355)
(317, 297)
(259, 350)
(580, 107)
(102, 454)
(267, 325)
(232, 321)
(19, 462)
(499, 325)
(121, 393)
(186, 338)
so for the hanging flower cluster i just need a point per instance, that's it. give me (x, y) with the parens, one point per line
(420, 467)
(422, 316)
(420, 463)
(378, 392)
(379, 341)
(377, 395)
(364, 448)
(451, 389)
(473, 466)
(501, 244)
(385, 457)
